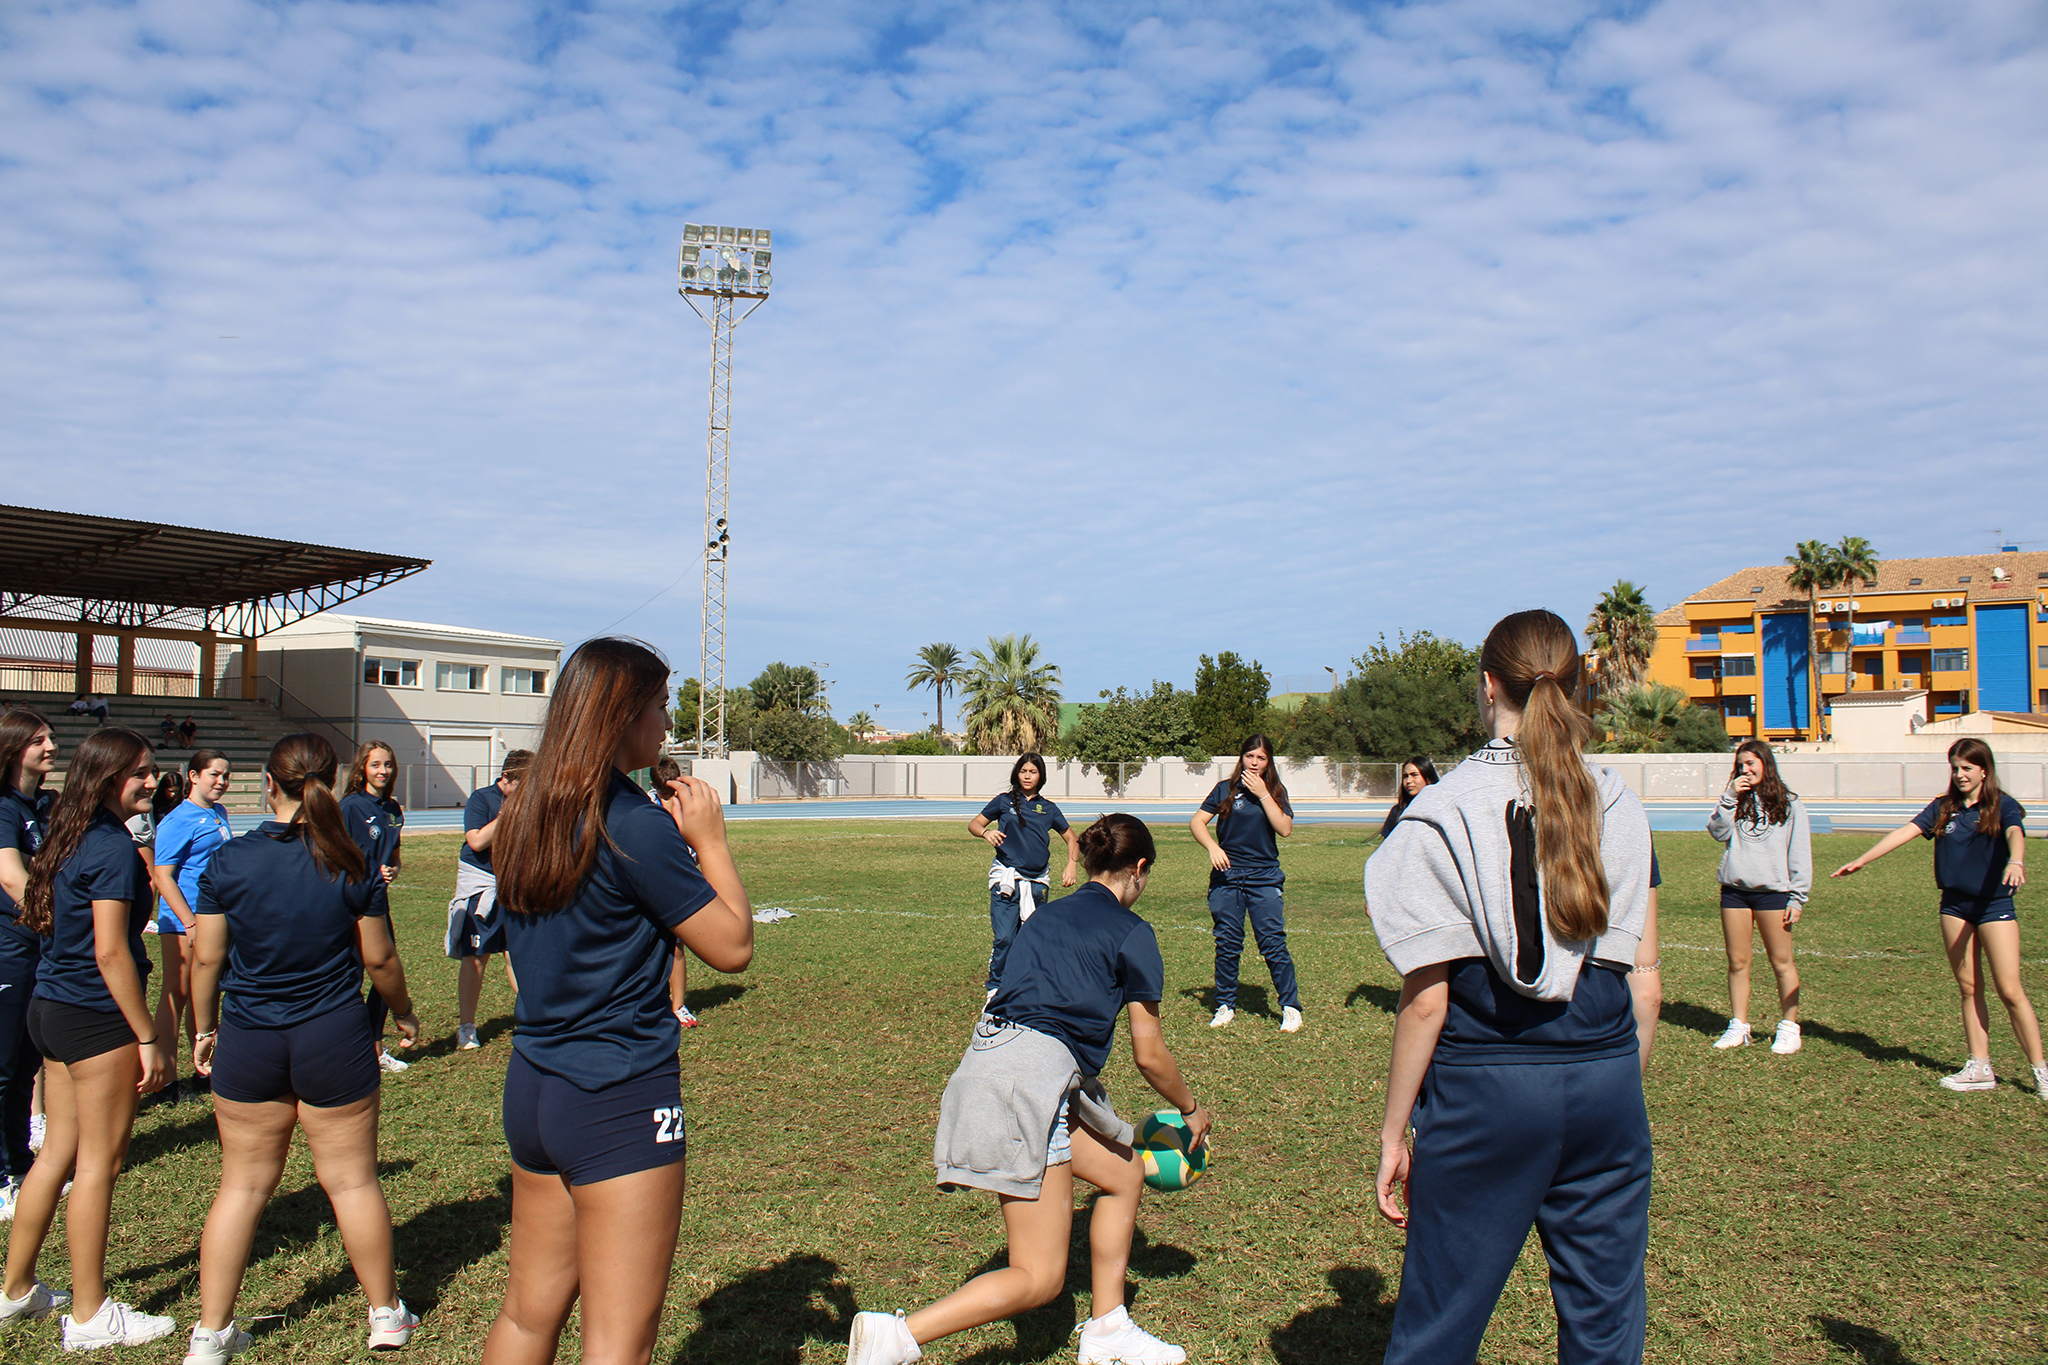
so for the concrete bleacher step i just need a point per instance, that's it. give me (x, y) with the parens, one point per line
(243, 731)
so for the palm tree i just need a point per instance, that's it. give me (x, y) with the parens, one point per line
(1814, 570)
(860, 725)
(1855, 559)
(937, 667)
(1623, 628)
(1640, 719)
(1013, 701)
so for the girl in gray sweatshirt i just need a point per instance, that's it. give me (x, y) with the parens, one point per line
(1766, 876)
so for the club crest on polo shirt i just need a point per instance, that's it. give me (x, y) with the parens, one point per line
(1038, 807)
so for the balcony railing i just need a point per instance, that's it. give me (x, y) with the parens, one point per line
(1915, 637)
(1706, 644)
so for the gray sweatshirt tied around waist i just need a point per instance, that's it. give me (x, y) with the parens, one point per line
(996, 1116)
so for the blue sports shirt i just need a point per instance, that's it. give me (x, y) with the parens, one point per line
(106, 867)
(23, 823)
(1969, 865)
(185, 838)
(374, 823)
(1247, 839)
(593, 995)
(1027, 839)
(292, 950)
(1075, 965)
(482, 807)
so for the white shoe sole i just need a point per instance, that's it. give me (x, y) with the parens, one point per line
(1947, 1084)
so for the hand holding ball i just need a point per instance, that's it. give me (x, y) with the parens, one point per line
(1171, 1161)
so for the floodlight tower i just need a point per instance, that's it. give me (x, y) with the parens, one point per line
(723, 265)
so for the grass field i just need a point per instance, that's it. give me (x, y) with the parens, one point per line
(1835, 1205)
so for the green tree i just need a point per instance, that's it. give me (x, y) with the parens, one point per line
(790, 687)
(791, 736)
(1655, 718)
(1813, 570)
(1854, 558)
(927, 744)
(938, 667)
(1230, 696)
(1133, 728)
(1416, 697)
(1012, 700)
(689, 700)
(1624, 630)
(860, 725)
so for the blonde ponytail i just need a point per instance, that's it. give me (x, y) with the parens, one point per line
(1534, 658)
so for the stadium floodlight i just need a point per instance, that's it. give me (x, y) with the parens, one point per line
(723, 265)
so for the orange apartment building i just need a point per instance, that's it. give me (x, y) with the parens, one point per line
(1971, 630)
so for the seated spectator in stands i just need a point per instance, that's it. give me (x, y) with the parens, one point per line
(188, 732)
(90, 704)
(170, 730)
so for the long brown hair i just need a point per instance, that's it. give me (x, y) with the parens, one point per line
(1978, 754)
(97, 771)
(1273, 782)
(554, 820)
(1769, 797)
(18, 730)
(1534, 658)
(359, 766)
(303, 768)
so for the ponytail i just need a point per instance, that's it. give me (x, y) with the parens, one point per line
(303, 767)
(1533, 657)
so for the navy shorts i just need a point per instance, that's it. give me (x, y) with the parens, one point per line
(1979, 909)
(328, 1061)
(554, 1128)
(475, 937)
(1756, 902)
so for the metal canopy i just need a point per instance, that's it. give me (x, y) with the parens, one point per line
(105, 571)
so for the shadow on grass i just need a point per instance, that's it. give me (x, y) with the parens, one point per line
(172, 1135)
(431, 1248)
(1047, 1332)
(768, 1316)
(486, 1033)
(1386, 997)
(1870, 1047)
(1353, 1328)
(1865, 1344)
(711, 997)
(1250, 999)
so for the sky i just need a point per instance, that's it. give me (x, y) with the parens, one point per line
(1151, 331)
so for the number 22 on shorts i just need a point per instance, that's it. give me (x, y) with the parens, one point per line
(668, 1125)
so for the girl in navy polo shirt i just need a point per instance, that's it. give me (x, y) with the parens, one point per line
(1980, 859)
(1245, 880)
(374, 820)
(295, 914)
(185, 839)
(594, 884)
(27, 756)
(1019, 826)
(1024, 1113)
(88, 896)
(1417, 773)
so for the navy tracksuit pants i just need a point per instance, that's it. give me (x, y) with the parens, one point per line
(19, 1060)
(1564, 1146)
(1230, 905)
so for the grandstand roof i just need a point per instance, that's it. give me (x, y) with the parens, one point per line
(113, 573)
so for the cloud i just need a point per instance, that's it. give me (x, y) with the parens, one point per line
(1262, 327)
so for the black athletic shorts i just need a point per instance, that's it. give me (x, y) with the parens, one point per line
(72, 1033)
(1756, 902)
(554, 1128)
(326, 1062)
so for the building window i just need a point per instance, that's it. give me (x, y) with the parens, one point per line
(1949, 619)
(1739, 628)
(1739, 666)
(392, 672)
(1964, 579)
(1738, 706)
(1834, 660)
(1951, 661)
(1947, 703)
(524, 682)
(1912, 582)
(1912, 663)
(2043, 663)
(1912, 622)
(461, 677)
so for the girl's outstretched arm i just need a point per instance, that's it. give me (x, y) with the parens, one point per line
(1898, 838)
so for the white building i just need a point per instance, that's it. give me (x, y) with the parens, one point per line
(449, 700)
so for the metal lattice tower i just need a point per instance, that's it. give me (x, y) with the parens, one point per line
(723, 265)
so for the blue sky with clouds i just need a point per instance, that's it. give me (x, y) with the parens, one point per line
(1150, 330)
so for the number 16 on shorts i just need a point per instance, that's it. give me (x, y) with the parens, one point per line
(668, 1125)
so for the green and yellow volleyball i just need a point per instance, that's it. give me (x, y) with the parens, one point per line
(1171, 1163)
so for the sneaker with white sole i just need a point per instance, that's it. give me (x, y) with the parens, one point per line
(391, 1328)
(1290, 1019)
(1113, 1339)
(465, 1038)
(387, 1062)
(37, 1126)
(881, 1339)
(686, 1018)
(211, 1348)
(9, 1192)
(1224, 1014)
(1786, 1039)
(2041, 1081)
(115, 1324)
(1975, 1075)
(39, 1302)
(1736, 1035)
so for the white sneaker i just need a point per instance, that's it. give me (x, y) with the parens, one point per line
(39, 1302)
(1786, 1039)
(881, 1339)
(391, 1328)
(116, 1324)
(1224, 1014)
(387, 1062)
(8, 1194)
(1975, 1075)
(465, 1037)
(1113, 1339)
(211, 1348)
(2041, 1081)
(37, 1126)
(1290, 1019)
(1737, 1035)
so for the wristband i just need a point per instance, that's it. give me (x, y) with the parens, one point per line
(202, 1037)
(145, 1042)
(1189, 1113)
(1655, 966)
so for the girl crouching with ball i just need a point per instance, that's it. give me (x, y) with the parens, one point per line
(1031, 1072)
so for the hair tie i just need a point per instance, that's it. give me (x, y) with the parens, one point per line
(1541, 676)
